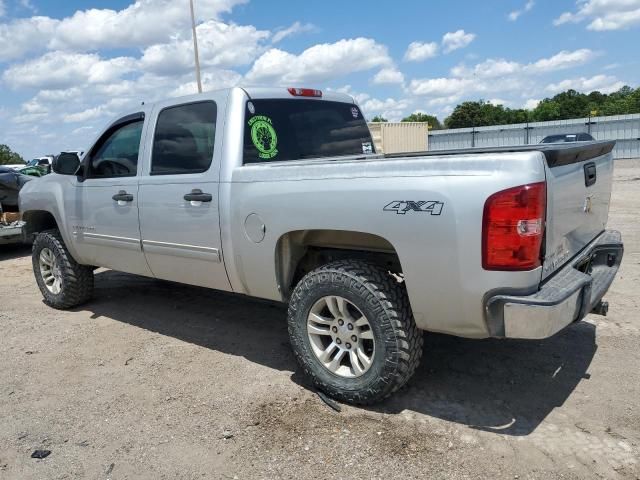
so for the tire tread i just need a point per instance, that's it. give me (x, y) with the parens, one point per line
(77, 279)
(407, 340)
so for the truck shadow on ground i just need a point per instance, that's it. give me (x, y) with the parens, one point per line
(506, 387)
(502, 386)
(12, 252)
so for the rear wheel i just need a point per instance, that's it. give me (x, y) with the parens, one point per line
(352, 331)
(63, 282)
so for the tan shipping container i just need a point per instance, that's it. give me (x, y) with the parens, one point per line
(402, 137)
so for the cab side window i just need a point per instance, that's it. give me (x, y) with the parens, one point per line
(116, 154)
(184, 139)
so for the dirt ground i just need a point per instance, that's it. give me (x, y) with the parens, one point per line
(156, 380)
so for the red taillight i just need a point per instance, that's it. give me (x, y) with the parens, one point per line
(305, 92)
(513, 228)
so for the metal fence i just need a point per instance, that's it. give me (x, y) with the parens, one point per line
(623, 128)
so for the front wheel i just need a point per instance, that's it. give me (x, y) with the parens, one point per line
(63, 282)
(352, 331)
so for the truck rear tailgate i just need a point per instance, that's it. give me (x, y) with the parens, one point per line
(579, 180)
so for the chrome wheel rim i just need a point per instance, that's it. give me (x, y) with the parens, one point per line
(341, 337)
(50, 271)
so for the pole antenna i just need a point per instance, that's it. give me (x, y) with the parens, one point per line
(195, 47)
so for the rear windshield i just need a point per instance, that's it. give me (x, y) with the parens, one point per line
(280, 130)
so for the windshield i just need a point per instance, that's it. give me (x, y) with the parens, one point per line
(279, 130)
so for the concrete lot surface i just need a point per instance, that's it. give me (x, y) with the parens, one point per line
(156, 380)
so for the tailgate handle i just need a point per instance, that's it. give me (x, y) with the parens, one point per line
(590, 174)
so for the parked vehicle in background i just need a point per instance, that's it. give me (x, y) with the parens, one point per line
(11, 182)
(11, 224)
(34, 171)
(11, 228)
(280, 194)
(568, 138)
(43, 164)
(40, 161)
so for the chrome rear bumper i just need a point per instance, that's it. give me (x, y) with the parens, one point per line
(566, 297)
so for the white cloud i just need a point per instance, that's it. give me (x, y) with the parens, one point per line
(358, 96)
(24, 35)
(294, 29)
(319, 63)
(388, 76)
(59, 70)
(496, 68)
(601, 83)
(513, 16)
(455, 40)
(498, 101)
(564, 59)
(418, 51)
(391, 109)
(496, 77)
(85, 115)
(603, 14)
(440, 86)
(488, 69)
(143, 23)
(531, 104)
(220, 45)
(211, 80)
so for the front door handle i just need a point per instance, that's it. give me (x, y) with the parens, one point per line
(197, 195)
(123, 196)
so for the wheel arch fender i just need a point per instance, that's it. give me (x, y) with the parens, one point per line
(300, 251)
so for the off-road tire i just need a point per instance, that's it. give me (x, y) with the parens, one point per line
(77, 280)
(385, 303)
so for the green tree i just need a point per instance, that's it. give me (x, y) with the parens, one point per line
(465, 115)
(573, 104)
(546, 111)
(565, 105)
(434, 123)
(9, 157)
(379, 119)
(481, 113)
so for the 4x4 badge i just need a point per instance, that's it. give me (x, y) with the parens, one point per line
(401, 207)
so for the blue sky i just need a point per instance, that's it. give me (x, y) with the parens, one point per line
(67, 67)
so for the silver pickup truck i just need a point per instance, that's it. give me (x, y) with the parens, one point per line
(279, 194)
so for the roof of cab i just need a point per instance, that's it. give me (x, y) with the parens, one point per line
(261, 92)
(252, 92)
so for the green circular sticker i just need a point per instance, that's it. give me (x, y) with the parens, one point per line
(264, 136)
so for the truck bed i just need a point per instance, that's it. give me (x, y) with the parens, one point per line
(557, 154)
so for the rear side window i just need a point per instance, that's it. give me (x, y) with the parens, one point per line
(184, 139)
(280, 130)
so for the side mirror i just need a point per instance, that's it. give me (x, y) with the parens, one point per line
(66, 164)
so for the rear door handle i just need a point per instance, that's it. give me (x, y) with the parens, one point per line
(590, 174)
(197, 195)
(123, 196)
